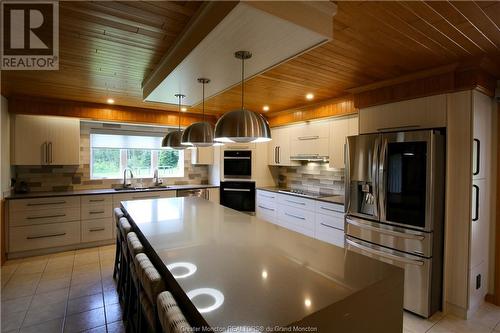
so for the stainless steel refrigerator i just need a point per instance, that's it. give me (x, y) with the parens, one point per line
(395, 208)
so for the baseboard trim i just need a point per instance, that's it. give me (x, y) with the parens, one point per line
(40, 252)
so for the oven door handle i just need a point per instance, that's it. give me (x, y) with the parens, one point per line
(384, 254)
(236, 189)
(381, 230)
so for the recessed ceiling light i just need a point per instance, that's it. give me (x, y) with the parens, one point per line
(265, 108)
(309, 96)
(183, 109)
(110, 101)
(307, 302)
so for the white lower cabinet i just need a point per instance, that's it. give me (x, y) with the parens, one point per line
(321, 220)
(43, 236)
(97, 230)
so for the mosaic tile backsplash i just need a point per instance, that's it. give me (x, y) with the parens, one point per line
(67, 178)
(313, 177)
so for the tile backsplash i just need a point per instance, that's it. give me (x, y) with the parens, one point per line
(312, 177)
(77, 177)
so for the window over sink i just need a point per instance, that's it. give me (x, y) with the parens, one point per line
(112, 151)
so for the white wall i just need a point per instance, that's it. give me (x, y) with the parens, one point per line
(4, 147)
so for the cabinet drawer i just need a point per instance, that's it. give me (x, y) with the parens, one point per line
(329, 234)
(329, 208)
(44, 216)
(266, 212)
(296, 202)
(330, 221)
(97, 229)
(42, 236)
(297, 217)
(266, 196)
(96, 211)
(44, 203)
(97, 199)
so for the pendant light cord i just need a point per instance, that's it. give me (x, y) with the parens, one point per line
(180, 98)
(242, 81)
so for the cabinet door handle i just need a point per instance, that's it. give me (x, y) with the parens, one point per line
(279, 154)
(310, 137)
(97, 212)
(295, 202)
(330, 226)
(46, 236)
(44, 153)
(50, 152)
(45, 216)
(266, 208)
(295, 216)
(478, 157)
(476, 215)
(46, 203)
(275, 155)
(96, 229)
(147, 197)
(96, 200)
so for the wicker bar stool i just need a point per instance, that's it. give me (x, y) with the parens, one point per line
(134, 247)
(124, 228)
(118, 214)
(171, 318)
(150, 286)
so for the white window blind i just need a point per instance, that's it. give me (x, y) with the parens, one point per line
(126, 141)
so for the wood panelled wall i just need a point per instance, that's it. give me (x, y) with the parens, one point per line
(101, 112)
(336, 107)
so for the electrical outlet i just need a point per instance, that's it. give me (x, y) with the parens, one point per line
(478, 281)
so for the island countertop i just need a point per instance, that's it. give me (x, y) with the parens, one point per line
(230, 269)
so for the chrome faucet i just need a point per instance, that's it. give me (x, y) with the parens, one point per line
(156, 178)
(125, 176)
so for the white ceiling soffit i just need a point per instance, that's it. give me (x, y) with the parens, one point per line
(273, 31)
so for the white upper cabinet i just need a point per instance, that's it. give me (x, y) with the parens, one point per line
(202, 155)
(418, 113)
(40, 140)
(340, 129)
(310, 139)
(481, 145)
(279, 147)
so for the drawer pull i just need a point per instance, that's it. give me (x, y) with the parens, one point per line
(330, 226)
(295, 202)
(266, 196)
(295, 216)
(96, 229)
(266, 208)
(46, 236)
(97, 212)
(46, 203)
(45, 217)
(96, 200)
(329, 209)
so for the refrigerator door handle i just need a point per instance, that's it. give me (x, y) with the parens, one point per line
(382, 188)
(384, 254)
(375, 171)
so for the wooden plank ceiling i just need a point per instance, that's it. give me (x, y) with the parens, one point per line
(108, 48)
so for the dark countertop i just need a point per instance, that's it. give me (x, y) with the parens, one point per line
(262, 274)
(31, 195)
(337, 199)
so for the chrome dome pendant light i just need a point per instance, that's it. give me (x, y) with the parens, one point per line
(173, 139)
(242, 125)
(200, 134)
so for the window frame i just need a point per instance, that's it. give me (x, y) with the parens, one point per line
(124, 162)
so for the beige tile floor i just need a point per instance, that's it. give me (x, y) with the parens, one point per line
(75, 292)
(72, 291)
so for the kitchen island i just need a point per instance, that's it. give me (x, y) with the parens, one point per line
(228, 269)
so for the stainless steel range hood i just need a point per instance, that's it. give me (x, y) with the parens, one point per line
(310, 158)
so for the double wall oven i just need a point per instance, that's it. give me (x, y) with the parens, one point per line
(237, 191)
(395, 208)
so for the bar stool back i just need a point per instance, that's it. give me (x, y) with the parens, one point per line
(134, 247)
(151, 285)
(118, 214)
(171, 318)
(124, 228)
